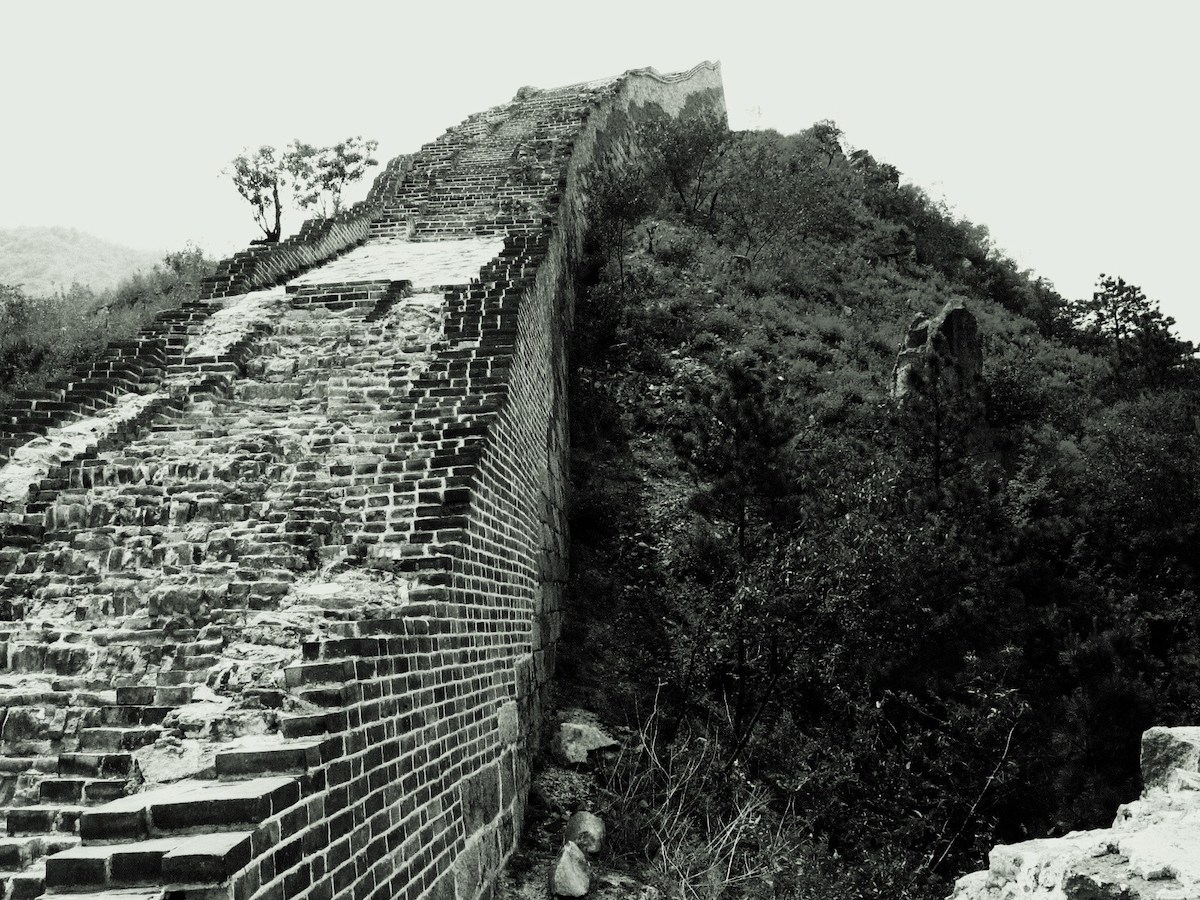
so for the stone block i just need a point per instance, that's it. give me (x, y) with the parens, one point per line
(1164, 750)
(508, 723)
(481, 798)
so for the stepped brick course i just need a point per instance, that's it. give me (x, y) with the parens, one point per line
(280, 578)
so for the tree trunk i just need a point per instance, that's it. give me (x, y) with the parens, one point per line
(273, 234)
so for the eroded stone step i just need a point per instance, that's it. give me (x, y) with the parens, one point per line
(189, 805)
(25, 885)
(131, 716)
(86, 791)
(96, 765)
(42, 819)
(114, 738)
(18, 852)
(184, 859)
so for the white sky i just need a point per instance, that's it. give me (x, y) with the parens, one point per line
(1068, 128)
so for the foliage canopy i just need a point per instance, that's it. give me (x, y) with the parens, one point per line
(316, 176)
(914, 668)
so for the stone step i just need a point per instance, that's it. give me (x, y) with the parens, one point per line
(42, 819)
(18, 852)
(183, 859)
(208, 648)
(303, 725)
(118, 893)
(117, 739)
(96, 765)
(87, 791)
(270, 755)
(130, 716)
(328, 695)
(181, 677)
(336, 672)
(174, 695)
(136, 695)
(26, 884)
(58, 659)
(216, 806)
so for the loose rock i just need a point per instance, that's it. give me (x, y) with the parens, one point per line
(586, 831)
(575, 740)
(571, 876)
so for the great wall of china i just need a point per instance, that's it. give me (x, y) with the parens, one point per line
(280, 578)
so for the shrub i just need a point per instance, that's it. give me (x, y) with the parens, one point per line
(701, 827)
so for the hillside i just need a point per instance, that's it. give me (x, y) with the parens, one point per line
(916, 630)
(849, 643)
(43, 337)
(45, 260)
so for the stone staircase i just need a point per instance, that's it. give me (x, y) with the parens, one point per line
(225, 555)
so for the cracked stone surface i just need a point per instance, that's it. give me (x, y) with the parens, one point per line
(1151, 852)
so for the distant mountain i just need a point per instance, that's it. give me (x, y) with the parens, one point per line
(44, 259)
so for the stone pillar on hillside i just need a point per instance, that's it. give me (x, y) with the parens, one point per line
(938, 387)
(941, 356)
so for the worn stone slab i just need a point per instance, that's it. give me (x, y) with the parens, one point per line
(189, 805)
(424, 264)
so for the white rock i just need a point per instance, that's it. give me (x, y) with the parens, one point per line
(575, 740)
(1166, 749)
(1152, 852)
(572, 876)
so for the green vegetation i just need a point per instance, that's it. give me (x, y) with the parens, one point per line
(317, 176)
(47, 261)
(909, 662)
(42, 338)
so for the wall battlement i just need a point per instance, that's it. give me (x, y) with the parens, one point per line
(281, 577)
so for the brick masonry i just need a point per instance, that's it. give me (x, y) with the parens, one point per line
(281, 578)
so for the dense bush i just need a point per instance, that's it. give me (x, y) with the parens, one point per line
(42, 338)
(912, 668)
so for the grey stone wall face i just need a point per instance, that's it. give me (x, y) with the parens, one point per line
(281, 578)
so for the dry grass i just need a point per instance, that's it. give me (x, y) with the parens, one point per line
(698, 826)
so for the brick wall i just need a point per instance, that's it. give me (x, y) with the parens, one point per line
(280, 624)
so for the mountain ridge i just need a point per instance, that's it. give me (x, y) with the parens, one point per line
(44, 259)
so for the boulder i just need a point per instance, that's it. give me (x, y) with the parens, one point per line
(1149, 853)
(586, 831)
(574, 740)
(1166, 751)
(571, 875)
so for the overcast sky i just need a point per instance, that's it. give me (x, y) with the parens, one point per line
(1069, 129)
